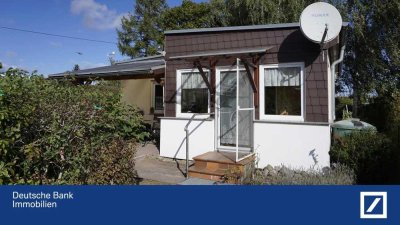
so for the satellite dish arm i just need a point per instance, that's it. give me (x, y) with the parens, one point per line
(324, 36)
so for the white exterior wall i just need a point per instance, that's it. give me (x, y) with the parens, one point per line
(173, 137)
(291, 144)
(275, 143)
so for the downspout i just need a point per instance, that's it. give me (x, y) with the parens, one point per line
(331, 100)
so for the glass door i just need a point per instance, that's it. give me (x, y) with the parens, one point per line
(235, 112)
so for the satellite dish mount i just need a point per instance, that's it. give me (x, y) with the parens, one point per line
(324, 36)
(320, 22)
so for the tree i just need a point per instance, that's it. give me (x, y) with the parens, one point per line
(76, 67)
(141, 33)
(189, 15)
(252, 12)
(372, 60)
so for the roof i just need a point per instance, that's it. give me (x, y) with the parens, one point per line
(154, 57)
(138, 66)
(224, 52)
(238, 28)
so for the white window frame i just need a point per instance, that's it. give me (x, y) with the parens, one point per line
(178, 107)
(284, 118)
(218, 103)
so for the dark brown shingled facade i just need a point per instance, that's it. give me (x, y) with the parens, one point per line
(288, 45)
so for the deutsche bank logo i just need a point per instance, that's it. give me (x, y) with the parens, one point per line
(373, 205)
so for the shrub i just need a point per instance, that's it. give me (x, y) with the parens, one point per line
(114, 164)
(56, 132)
(368, 153)
(337, 175)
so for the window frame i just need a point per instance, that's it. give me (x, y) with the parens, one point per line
(281, 118)
(178, 104)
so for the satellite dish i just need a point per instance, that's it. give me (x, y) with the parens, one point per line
(320, 22)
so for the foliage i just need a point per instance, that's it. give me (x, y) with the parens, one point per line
(232, 176)
(370, 154)
(338, 175)
(341, 104)
(114, 164)
(76, 67)
(189, 15)
(141, 33)
(248, 12)
(372, 59)
(55, 132)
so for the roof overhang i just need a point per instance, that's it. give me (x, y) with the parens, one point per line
(238, 28)
(235, 52)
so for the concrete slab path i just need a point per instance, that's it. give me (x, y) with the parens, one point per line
(156, 170)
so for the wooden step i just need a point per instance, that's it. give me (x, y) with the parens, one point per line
(223, 158)
(221, 166)
(204, 173)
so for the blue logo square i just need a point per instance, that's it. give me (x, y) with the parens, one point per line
(373, 204)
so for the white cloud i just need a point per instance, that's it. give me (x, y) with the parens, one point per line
(96, 15)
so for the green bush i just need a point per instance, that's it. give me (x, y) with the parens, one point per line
(56, 132)
(114, 164)
(369, 154)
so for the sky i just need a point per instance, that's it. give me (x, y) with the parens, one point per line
(90, 19)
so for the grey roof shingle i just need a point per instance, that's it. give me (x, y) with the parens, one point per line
(139, 66)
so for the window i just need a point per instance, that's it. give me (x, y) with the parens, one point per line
(193, 94)
(281, 92)
(158, 98)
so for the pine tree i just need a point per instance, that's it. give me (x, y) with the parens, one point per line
(141, 33)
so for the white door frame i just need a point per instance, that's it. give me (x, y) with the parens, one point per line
(218, 71)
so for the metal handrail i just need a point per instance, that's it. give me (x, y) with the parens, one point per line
(187, 138)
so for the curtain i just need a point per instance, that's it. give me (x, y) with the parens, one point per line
(193, 80)
(287, 76)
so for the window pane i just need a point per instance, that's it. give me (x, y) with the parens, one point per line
(288, 76)
(282, 91)
(194, 94)
(282, 101)
(194, 100)
(193, 80)
(159, 100)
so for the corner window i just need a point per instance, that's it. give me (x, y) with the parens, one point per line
(281, 92)
(193, 94)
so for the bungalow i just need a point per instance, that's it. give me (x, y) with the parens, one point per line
(263, 92)
(232, 95)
